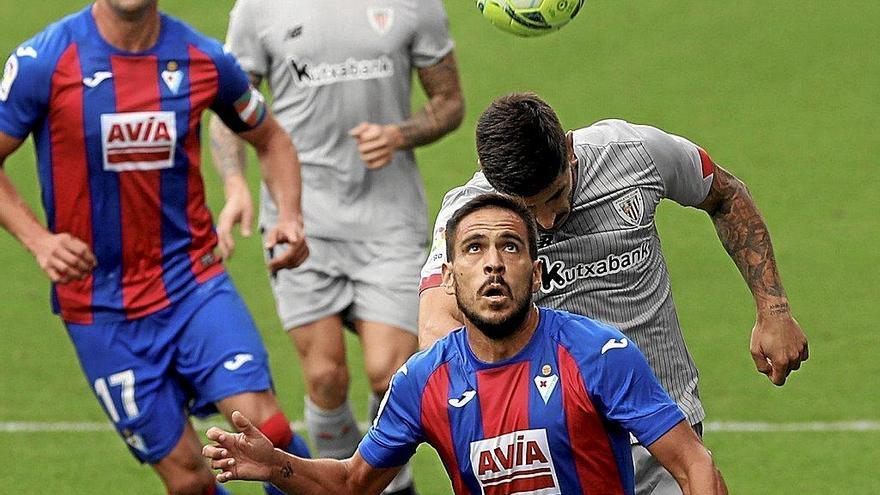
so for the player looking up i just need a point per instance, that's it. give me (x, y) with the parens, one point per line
(520, 400)
(340, 74)
(113, 96)
(594, 192)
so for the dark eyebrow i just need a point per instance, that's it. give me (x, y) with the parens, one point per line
(512, 236)
(471, 238)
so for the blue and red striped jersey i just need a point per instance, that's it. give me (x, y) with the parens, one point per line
(118, 155)
(553, 419)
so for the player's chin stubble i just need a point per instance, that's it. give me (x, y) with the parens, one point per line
(497, 329)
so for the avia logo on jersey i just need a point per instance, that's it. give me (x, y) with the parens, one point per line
(138, 140)
(518, 462)
(306, 75)
(555, 275)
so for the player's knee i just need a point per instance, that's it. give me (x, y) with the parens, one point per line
(191, 480)
(379, 376)
(328, 382)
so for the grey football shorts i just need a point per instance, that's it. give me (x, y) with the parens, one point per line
(371, 281)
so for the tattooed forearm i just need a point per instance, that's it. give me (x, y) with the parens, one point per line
(286, 470)
(227, 149)
(745, 237)
(445, 107)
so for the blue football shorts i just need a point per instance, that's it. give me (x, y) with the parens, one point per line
(151, 373)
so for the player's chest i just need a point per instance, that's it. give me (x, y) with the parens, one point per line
(338, 35)
(135, 110)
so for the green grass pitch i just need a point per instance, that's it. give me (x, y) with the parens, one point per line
(782, 93)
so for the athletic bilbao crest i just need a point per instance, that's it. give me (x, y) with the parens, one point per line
(630, 207)
(518, 462)
(138, 140)
(381, 19)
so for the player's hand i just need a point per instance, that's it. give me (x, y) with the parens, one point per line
(246, 455)
(290, 233)
(239, 209)
(64, 257)
(778, 346)
(376, 143)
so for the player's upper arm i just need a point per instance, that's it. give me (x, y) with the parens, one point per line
(431, 40)
(628, 392)
(397, 429)
(244, 38)
(238, 104)
(366, 479)
(438, 315)
(8, 145)
(685, 168)
(25, 89)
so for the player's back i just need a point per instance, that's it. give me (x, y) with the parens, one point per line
(117, 138)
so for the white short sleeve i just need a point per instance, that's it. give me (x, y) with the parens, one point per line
(687, 171)
(432, 41)
(243, 39)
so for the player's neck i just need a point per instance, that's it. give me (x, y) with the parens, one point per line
(491, 350)
(131, 32)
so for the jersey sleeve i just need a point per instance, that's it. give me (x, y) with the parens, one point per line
(240, 105)
(24, 90)
(431, 274)
(432, 41)
(397, 430)
(631, 395)
(685, 168)
(243, 38)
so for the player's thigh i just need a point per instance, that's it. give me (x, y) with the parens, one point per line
(184, 470)
(128, 366)
(220, 352)
(385, 349)
(315, 290)
(386, 283)
(651, 477)
(256, 406)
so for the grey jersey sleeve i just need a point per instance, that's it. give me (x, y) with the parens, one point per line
(243, 38)
(432, 41)
(685, 168)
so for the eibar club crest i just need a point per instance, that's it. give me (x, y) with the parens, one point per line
(381, 19)
(630, 207)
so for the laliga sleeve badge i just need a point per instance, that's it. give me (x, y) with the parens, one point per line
(546, 382)
(10, 72)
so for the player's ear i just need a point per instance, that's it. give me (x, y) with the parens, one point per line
(448, 279)
(569, 148)
(536, 275)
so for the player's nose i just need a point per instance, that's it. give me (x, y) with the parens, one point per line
(494, 262)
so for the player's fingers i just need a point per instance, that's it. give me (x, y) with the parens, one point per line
(372, 145)
(241, 422)
(71, 258)
(214, 452)
(805, 352)
(222, 463)
(761, 362)
(247, 221)
(778, 375)
(82, 251)
(358, 129)
(216, 434)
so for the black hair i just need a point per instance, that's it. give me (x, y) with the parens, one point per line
(521, 144)
(492, 200)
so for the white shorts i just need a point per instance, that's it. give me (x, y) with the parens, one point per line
(370, 281)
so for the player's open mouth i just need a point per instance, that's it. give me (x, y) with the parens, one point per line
(495, 293)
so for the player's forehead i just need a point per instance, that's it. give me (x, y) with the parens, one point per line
(491, 222)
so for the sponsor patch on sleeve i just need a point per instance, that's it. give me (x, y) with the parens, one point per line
(251, 107)
(10, 72)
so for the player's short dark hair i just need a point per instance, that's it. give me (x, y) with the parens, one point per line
(492, 200)
(521, 144)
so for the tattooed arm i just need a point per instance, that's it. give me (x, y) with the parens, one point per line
(441, 114)
(230, 160)
(778, 345)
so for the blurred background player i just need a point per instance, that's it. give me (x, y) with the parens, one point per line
(594, 192)
(339, 72)
(113, 96)
(520, 400)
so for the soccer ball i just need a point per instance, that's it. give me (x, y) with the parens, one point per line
(529, 17)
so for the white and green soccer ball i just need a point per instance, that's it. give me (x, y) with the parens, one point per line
(529, 17)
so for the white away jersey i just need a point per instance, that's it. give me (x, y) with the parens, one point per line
(605, 262)
(330, 65)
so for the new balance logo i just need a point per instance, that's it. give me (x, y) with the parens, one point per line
(295, 32)
(614, 344)
(97, 78)
(464, 399)
(238, 361)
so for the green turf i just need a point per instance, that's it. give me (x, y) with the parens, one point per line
(783, 93)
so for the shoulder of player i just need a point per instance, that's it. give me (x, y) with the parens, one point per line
(458, 196)
(608, 131)
(583, 337)
(182, 31)
(421, 365)
(39, 55)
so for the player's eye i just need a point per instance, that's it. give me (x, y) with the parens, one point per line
(472, 248)
(511, 247)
